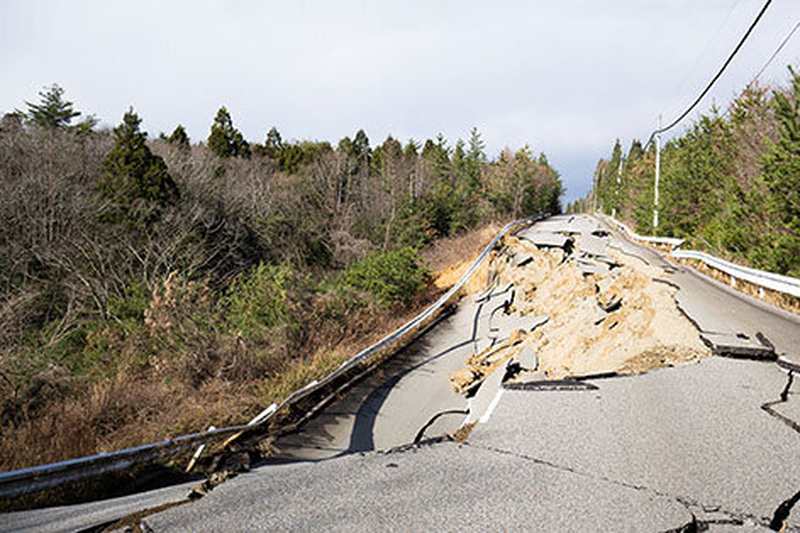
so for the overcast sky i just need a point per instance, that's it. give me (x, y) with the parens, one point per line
(565, 77)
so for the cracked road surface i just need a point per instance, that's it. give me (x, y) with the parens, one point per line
(690, 448)
(408, 393)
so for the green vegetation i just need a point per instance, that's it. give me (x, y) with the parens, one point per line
(151, 286)
(136, 181)
(388, 276)
(729, 184)
(179, 138)
(225, 140)
(53, 112)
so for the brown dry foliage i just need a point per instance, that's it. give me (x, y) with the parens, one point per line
(113, 335)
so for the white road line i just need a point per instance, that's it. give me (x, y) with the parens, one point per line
(490, 409)
(469, 414)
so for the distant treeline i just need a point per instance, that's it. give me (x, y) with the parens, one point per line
(145, 283)
(730, 184)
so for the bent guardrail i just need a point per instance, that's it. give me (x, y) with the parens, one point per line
(33, 479)
(760, 278)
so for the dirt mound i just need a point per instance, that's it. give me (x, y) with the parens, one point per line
(622, 318)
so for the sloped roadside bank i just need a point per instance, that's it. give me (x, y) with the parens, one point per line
(296, 412)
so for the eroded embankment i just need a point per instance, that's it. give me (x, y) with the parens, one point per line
(618, 315)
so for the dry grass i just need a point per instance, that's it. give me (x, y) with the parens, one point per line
(136, 407)
(450, 258)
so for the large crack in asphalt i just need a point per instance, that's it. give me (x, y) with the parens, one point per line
(784, 397)
(781, 515)
(421, 433)
(698, 510)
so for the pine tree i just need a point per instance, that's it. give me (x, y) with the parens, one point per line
(411, 150)
(53, 112)
(476, 158)
(477, 148)
(225, 140)
(179, 138)
(273, 143)
(136, 180)
(362, 151)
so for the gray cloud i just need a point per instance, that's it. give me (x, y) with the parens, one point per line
(564, 77)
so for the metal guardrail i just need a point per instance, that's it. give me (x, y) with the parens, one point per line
(666, 241)
(767, 280)
(28, 480)
(760, 278)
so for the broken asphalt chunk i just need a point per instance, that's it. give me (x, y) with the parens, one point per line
(522, 259)
(527, 359)
(543, 239)
(591, 245)
(738, 346)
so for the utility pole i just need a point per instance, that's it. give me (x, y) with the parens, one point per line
(619, 185)
(658, 176)
(594, 191)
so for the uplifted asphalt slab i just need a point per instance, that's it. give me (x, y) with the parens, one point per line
(440, 487)
(696, 433)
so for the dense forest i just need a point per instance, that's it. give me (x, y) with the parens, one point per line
(154, 286)
(729, 185)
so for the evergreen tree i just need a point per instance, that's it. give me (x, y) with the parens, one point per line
(543, 160)
(345, 147)
(438, 155)
(53, 112)
(635, 153)
(225, 140)
(136, 180)
(411, 150)
(781, 172)
(179, 138)
(273, 144)
(477, 148)
(361, 150)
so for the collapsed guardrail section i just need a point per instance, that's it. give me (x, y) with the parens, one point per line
(28, 480)
(760, 278)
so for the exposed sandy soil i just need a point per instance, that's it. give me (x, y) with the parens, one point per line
(643, 329)
(444, 256)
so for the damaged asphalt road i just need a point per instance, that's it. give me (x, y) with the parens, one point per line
(697, 447)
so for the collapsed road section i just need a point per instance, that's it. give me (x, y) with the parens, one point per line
(555, 298)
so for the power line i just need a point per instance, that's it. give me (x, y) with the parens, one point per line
(767, 64)
(714, 79)
(703, 54)
(775, 53)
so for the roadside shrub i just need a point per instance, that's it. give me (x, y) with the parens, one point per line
(388, 276)
(258, 300)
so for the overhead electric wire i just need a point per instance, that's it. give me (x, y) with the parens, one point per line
(767, 64)
(775, 54)
(700, 57)
(714, 79)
